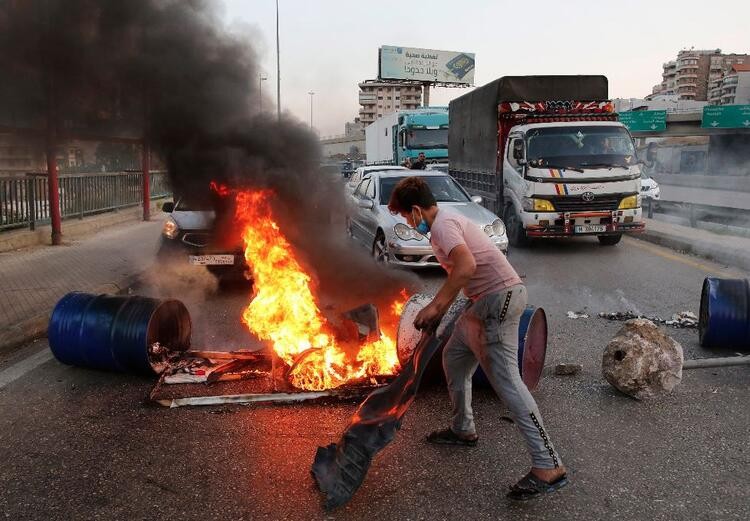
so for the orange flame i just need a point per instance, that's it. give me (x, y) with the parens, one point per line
(285, 312)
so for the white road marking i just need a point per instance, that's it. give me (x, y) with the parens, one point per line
(19, 369)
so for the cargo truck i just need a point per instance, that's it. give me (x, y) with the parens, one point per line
(404, 134)
(548, 154)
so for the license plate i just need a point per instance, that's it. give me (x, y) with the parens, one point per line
(591, 228)
(211, 260)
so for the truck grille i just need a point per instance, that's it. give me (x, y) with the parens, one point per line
(576, 203)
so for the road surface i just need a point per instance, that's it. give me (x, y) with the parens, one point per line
(80, 444)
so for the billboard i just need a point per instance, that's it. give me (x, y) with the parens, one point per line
(426, 65)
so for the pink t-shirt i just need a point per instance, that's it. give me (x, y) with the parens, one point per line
(493, 272)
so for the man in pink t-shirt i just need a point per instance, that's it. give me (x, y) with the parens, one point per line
(485, 334)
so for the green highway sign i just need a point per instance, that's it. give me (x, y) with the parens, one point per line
(644, 120)
(726, 116)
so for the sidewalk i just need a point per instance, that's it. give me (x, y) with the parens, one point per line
(33, 280)
(726, 249)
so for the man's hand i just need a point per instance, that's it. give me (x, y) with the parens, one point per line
(429, 317)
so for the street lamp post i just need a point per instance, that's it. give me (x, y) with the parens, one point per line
(278, 67)
(261, 79)
(311, 93)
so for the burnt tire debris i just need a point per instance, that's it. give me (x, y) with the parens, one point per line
(340, 468)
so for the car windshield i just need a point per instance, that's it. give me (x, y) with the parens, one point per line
(444, 188)
(428, 138)
(184, 205)
(580, 147)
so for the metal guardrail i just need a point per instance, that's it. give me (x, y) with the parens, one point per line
(24, 201)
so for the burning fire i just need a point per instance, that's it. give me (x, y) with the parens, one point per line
(285, 312)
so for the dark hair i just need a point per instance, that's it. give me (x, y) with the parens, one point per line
(408, 192)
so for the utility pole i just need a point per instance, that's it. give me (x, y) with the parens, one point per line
(261, 79)
(278, 67)
(426, 96)
(311, 93)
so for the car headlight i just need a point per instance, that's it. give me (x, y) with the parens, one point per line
(497, 228)
(170, 228)
(537, 205)
(630, 202)
(407, 233)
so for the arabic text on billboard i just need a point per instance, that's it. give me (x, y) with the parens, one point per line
(405, 63)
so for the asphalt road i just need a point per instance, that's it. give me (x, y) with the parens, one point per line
(80, 444)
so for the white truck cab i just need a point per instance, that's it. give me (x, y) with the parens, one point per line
(571, 178)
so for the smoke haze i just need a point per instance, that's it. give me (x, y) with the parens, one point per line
(170, 71)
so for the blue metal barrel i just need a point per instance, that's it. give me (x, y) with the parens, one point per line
(532, 348)
(114, 333)
(724, 320)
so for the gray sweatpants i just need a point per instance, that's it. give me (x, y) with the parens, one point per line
(486, 334)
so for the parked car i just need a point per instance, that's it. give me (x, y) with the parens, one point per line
(356, 177)
(190, 238)
(388, 236)
(650, 188)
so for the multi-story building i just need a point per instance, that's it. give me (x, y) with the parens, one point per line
(733, 88)
(668, 78)
(695, 72)
(378, 98)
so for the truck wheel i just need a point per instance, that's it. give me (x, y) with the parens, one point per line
(516, 234)
(609, 240)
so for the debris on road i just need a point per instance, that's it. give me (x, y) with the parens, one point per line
(568, 369)
(577, 314)
(641, 361)
(683, 319)
(686, 319)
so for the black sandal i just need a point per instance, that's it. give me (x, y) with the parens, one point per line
(531, 487)
(448, 437)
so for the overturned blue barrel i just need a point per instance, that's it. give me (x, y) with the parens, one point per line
(532, 348)
(115, 333)
(724, 319)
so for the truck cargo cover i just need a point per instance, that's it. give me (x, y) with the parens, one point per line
(472, 135)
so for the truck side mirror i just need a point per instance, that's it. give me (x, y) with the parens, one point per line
(518, 152)
(167, 207)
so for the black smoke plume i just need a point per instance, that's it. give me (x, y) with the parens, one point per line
(171, 72)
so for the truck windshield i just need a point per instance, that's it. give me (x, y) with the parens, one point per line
(580, 147)
(428, 138)
(444, 188)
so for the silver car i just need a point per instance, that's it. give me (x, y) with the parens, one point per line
(362, 171)
(388, 236)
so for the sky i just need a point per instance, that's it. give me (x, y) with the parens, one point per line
(329, 46)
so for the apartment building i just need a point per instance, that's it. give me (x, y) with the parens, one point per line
(695, 72)
(733, 88)
(378, 98)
